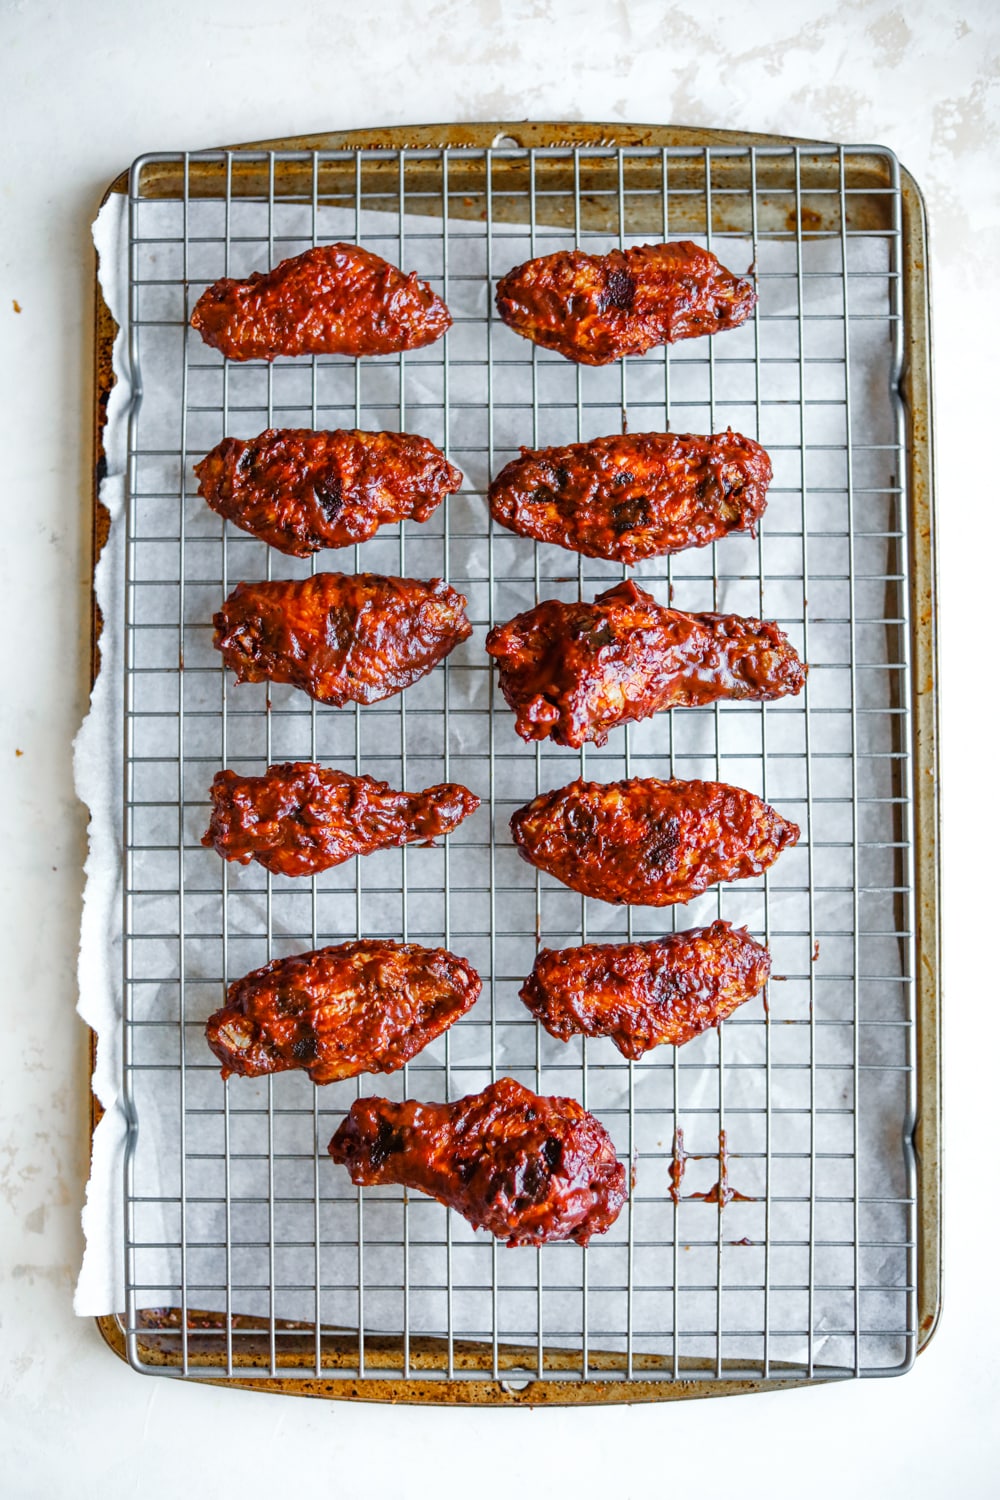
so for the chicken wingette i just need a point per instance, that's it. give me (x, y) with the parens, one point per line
(638, 495)
(300, 490)
(340, 637)
(334, 299)
(365, 1007)
(571, 672)
(598, 308)
(643, 995)
(646, 842)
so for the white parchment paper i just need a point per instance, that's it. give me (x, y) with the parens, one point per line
(258, 1162)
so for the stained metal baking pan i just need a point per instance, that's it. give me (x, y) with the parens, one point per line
(801, 1241)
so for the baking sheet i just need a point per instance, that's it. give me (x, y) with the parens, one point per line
(659, 1271)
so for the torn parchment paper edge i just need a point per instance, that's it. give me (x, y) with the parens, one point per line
(97, 774)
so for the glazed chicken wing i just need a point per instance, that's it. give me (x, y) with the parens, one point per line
(300, 818)
(363, 1007)
(342, 638)
(525, 1167)
(646, 842)
(638, 495)
(598, 308)
(335, 299)
(300, 490)
(642, 995)
(573, 671)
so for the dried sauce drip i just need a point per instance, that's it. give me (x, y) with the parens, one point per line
(815, 957)
(678, 1162)
(722, 1193)
(598, 308)
(334, 299)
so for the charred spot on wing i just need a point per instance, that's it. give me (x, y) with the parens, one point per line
(627, 515)
(581, 824)
(664, 847)
(553, 1152)
(306, 1045)
(330, 494)
(619, 291)
(542, 494)
(557, 477)
(388, 1142)
(290, 1001)
(534, 1184)
(593, 630)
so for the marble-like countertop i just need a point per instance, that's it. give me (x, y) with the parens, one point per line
(85, 89)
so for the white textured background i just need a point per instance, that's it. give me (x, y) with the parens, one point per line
(84, 88)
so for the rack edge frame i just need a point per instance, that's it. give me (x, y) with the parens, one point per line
(916, 391)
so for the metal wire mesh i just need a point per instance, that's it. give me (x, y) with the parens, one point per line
(235, 1218)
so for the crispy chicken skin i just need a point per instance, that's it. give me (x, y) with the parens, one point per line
(300, 818)
(597, 308)
(646, 842)
(633, 496)
(335, 299)
(300, 490)
(528, 1168)
(363, 1007)
(571, 672)
(642, 995)
(342, 638)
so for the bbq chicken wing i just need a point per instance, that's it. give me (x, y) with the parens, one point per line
(300, 490)
(598, 308)
(642, 995)
(646, 842)
(335, 299)
(571, 672)
(342, 638)
(638, 495)
(363, 1007)
(300, 818)
(529, 1169)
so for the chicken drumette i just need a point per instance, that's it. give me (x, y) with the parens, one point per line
(638, 495)
(598, 308)
(300, 818)
(342, 638)
(301, 490)
(335, 299)
(573, 671)
(644, 994)
(364, 1007)
(528, 1168)
(647, 842)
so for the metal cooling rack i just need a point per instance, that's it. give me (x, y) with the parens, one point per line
(248, 1255)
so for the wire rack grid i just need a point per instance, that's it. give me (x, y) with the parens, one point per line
(770, 1231)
